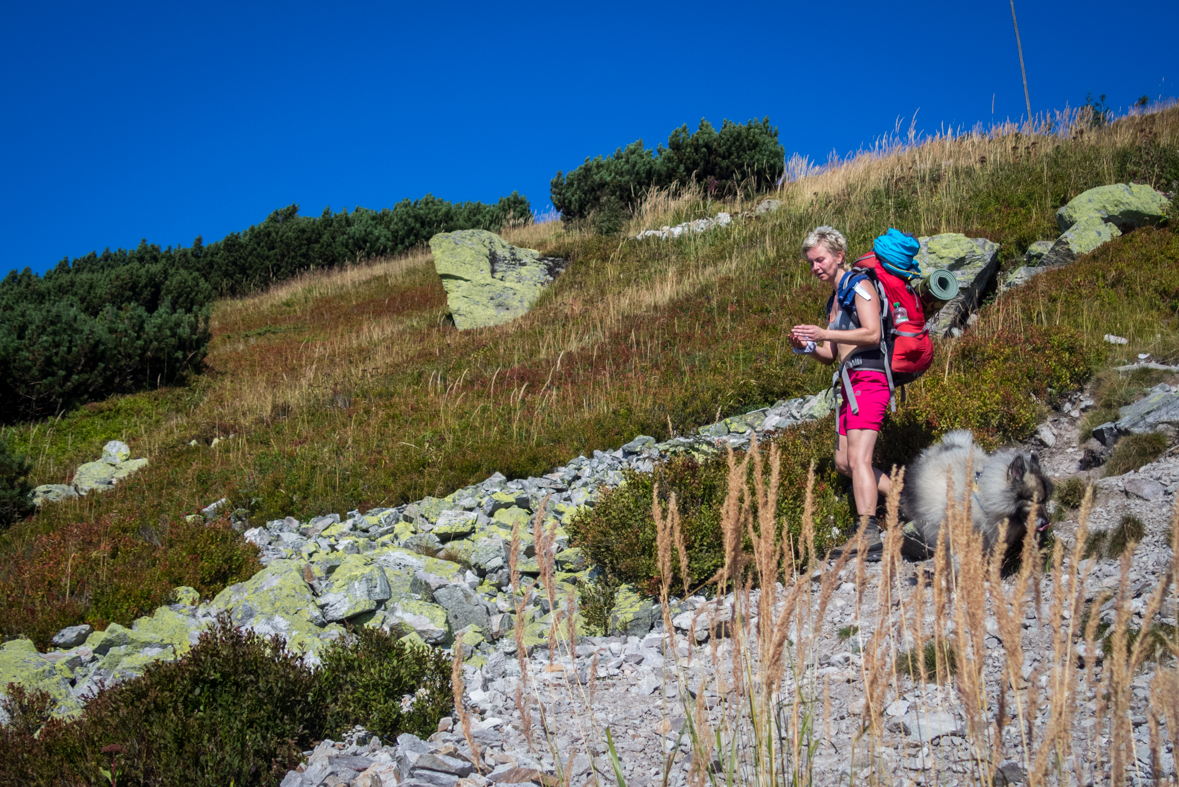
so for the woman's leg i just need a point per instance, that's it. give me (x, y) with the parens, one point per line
(853, 457)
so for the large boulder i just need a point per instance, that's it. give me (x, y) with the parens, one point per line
(1082, 237)
(356, 586)
(487, 281)
(1125, 206)
(1159, 409)
(973, 261)
(277, 600)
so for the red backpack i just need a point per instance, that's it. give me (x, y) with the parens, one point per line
(904, 336)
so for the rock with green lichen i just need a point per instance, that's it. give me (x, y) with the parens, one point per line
(633, 615)
(1126, 206)
(277, 600)
(487, 281)
(1085, 236)
(425, 619)
(355, 587)
(21, 663)
(973, 261)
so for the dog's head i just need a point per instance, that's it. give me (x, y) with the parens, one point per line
(1032, 488)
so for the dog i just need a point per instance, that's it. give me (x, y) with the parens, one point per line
(1007, 485)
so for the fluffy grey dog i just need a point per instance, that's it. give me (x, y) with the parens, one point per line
(1008, 484)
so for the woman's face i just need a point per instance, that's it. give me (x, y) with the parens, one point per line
(824, 263)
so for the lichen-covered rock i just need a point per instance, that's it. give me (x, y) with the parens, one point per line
(356, 586)
(115, 452)
(973, 261)
(53, 493)
(1160, 408)
(1036, 252)
(487, 281)
(93, 475)
(21, 663)
(1083, 237)
(633, 615)
(277, 600)
(427, 620)
(1127, 206)
(454, 524)
(463, 607)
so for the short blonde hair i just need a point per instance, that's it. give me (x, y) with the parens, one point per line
(828, 236)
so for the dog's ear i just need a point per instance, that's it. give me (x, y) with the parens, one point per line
(1017, 469)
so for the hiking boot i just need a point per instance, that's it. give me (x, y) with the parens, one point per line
(873, 543)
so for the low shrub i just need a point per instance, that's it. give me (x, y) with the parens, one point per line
(619, 532)
(1113, 542)
(237, 709)
(14, 486)
(115, 570)
(1071, 492)
(387, 685)
(1133, 451)
(596, 600)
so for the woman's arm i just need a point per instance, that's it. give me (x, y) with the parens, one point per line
(867, 335)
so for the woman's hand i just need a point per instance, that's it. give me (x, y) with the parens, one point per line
(801, 334)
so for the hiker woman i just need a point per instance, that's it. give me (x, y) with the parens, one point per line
(853, 327)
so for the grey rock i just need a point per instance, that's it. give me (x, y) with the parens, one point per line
(425, 543)
(1107, 434)
(1147, 415)
(638, 444)
(72, 636)
(115, 452)
(926, 726)
(444, 764)
(463, 607)
(1045, 436)
(53, 493)
(1126, 206)
(294, 779)
(1144, 488)
(973, 261)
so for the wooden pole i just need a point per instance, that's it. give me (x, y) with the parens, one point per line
(1022, 70)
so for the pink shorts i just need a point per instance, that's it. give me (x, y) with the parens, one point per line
(871, 390)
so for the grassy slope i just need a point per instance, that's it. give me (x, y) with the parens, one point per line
(347, 390)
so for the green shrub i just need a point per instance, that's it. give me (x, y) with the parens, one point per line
(237, 709)
(1133, 451)
(364, 679)
(595, 600)
(910, 662)
(14, 486)
(126, 321)
(619, 532)
(738, 156)
(114, 570)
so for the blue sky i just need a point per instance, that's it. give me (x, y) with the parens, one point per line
(166, 121)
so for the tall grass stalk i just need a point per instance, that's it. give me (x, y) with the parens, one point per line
(766, 628)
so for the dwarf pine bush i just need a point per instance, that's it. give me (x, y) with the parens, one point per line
(738, 156)
(14, 486)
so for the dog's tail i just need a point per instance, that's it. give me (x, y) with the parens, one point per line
(959, 438)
